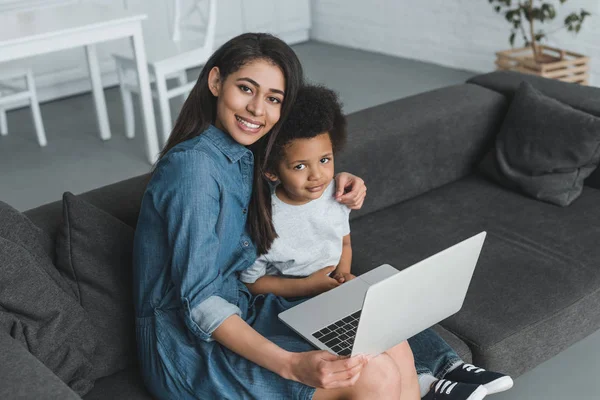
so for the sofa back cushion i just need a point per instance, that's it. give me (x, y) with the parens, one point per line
(410, 146)
(121, 200)
(93, 253)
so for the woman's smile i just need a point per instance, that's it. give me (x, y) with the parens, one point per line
(248, 125)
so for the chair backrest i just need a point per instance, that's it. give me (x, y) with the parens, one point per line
(191, 22)
(182, 23)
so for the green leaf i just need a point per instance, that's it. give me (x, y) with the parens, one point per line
(551, 12)
(497, 8)
(509, 16)
(536, 13)
(571, 18)
(512, 39)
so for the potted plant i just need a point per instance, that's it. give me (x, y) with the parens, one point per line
(536, 58)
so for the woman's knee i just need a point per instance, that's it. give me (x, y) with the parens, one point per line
(381, 378)
(402, 356)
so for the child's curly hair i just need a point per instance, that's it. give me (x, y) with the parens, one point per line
(316, 110)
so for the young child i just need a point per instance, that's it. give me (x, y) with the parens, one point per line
(312, 252)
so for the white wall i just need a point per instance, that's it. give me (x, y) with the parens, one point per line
(463, 34)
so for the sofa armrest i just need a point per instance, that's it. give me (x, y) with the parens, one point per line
(584, 98)
(22, 376)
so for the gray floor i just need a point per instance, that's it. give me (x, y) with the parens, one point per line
(77, 160)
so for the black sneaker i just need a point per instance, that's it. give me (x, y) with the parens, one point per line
(448, 390)
(494, 382)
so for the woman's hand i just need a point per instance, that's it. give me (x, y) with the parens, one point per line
(350, 190)
(320, 281)
(342, 277)
(321, 369)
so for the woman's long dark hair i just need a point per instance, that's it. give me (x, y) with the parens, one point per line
(200, 108)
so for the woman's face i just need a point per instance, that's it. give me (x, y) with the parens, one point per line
(249, 100)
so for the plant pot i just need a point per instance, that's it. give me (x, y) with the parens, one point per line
(551, 63)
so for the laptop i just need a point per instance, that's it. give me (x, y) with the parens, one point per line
(383, 307)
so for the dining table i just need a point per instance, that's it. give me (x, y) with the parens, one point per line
(39, 31)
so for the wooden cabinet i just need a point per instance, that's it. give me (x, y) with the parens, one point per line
(65, 73)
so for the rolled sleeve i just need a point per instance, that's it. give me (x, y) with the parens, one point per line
(258, 269)
(211, 313)
(188, 200)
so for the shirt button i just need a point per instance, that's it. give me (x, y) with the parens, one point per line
(244, 211)
(246, 243)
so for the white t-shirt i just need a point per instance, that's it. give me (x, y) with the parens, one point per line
(309, 237)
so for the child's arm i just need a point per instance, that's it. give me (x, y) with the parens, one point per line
(316, 283)
(342, 271)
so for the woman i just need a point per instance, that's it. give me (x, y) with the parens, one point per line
(200, 332)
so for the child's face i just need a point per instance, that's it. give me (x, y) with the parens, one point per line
(249, 100)
(306, 169)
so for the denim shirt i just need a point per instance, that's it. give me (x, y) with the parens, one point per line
(191, 239)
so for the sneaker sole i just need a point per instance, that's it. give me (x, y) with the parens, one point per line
(499, 385)
(478, 394)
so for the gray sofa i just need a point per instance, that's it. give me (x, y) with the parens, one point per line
(536, 289)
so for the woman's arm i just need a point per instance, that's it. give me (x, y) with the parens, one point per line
(314, 368)
(239, 337)
(185, 192)
(350, 190)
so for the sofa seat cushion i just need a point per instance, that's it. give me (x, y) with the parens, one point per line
(536, 288)
(125, 384)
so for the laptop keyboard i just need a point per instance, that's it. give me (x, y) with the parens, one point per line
(340, 335)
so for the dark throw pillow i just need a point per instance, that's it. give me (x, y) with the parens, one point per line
(545, 148)
(37, 307)
(94, 251)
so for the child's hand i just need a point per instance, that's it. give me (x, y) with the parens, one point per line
(342, 277)
(320, 281)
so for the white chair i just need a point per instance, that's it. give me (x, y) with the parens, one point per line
(169, 57)
(12, 96)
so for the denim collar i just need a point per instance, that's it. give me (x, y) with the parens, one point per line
(232, 149)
